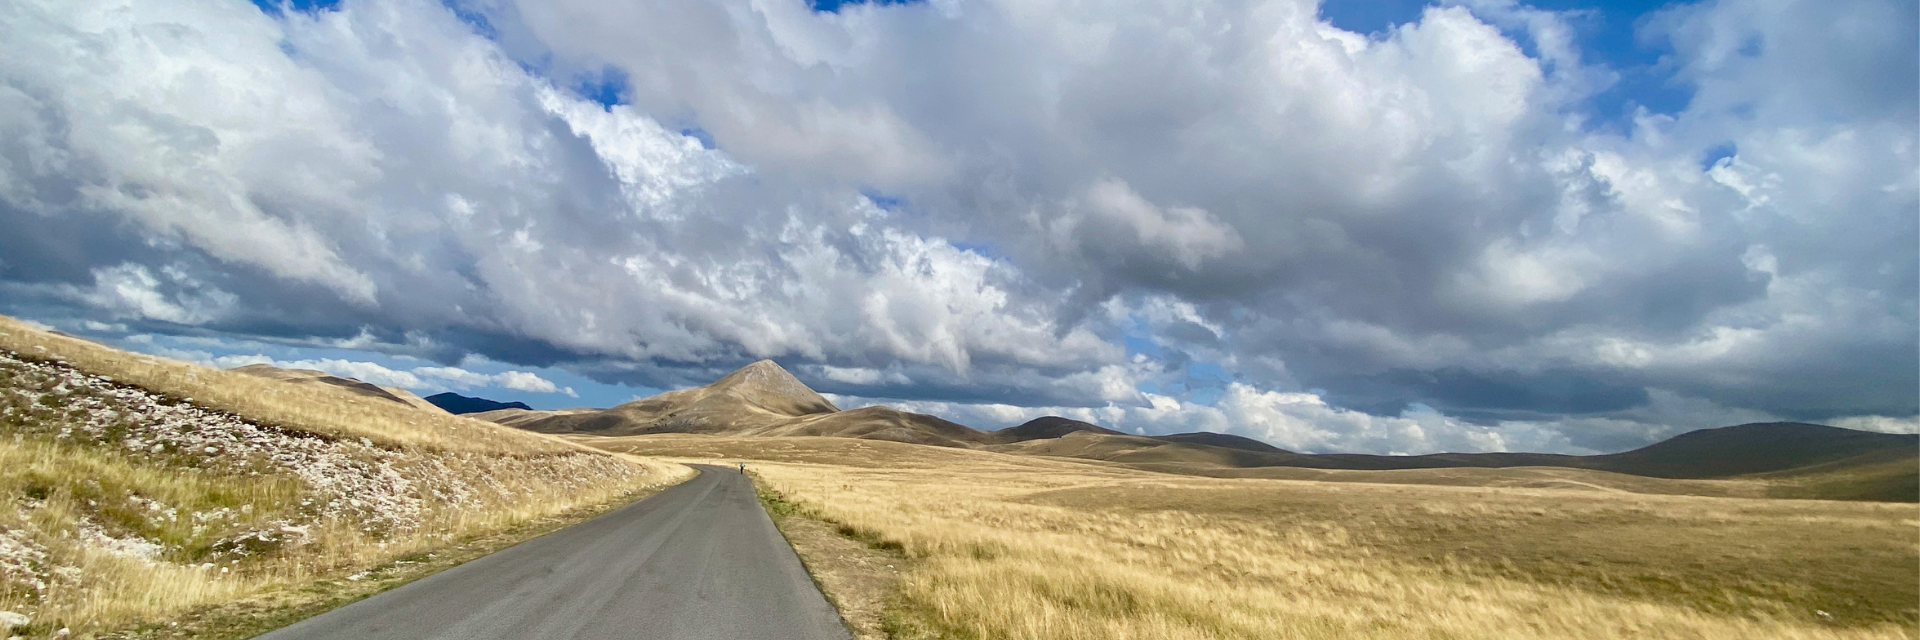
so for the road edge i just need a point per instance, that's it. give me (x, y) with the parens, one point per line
(249, 618)
(859, 577)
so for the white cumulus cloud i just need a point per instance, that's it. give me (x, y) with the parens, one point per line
(1423, 238)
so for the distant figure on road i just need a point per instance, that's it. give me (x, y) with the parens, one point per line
(743, 468)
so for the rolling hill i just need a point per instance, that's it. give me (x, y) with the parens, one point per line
(1048, 427)
(758, 396)
(1227, 440)
(1752, 448)
(1797, 459)
(762, 399)
(312, 376)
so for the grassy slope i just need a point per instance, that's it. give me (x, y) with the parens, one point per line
(130, 504)
(1885, 476)
(1019, 546)
(310, 376)
(1786, 460)
(1888, 476)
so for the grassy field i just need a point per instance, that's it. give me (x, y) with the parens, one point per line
(1761, 460)
(1008, 546)
(143, 492)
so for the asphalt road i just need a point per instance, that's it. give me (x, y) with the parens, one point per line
(698, 561)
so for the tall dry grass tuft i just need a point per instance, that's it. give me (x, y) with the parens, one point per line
(1017, 547)
(141, 489)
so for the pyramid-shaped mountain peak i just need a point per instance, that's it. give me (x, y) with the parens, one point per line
(768, 385)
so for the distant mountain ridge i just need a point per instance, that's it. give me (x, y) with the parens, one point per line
(458, 404)
(763, 399)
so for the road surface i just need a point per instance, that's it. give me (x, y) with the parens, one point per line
(698, 561)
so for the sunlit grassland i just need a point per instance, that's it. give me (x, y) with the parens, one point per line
(316, 409)
(129, 507)
(1021, 547)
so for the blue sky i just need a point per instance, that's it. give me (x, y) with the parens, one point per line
(1607, 33)
(1491, 226)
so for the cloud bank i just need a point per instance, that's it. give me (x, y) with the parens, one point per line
(1226, 215)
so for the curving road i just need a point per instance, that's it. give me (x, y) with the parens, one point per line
(698, 561)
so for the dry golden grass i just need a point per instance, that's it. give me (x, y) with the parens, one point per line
(128, 507)
(1510, 477)
(858, 576)
(1020, 547)
(319, 409)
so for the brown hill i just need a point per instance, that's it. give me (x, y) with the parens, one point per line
(762, 399)
(520, 417)
(1724, 452)
(1138, 450)
(1753, 448)
(881, 423)
(312, 376)
(757, 396)
(1047, 427)
(1797, 460)
(1227, 440)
